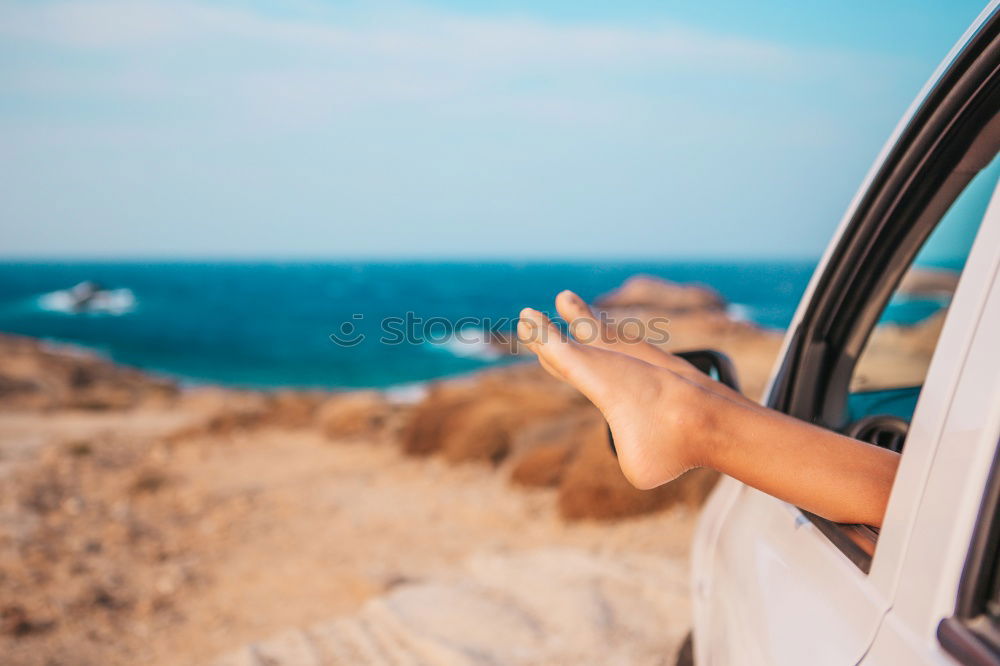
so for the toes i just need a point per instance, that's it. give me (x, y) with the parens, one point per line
(534, 329)
(582, 322)
(571, 306)
(528, 331)
(537, 332)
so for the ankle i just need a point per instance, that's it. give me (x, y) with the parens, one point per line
(684, 429)
(698, 418)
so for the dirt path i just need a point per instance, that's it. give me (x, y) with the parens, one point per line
(536, 607)
(139, 551)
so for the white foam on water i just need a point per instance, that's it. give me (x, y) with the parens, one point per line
(406, 394)
(470, 343)
(739, 312)
(114, 302)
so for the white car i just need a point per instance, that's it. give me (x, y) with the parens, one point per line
(906, 359)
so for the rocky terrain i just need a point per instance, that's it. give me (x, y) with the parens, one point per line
(485, 521)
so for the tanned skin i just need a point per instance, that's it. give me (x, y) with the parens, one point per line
(667, 417)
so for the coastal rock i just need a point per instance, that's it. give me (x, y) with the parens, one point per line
(293, 409)
(645, 291)
(898, 355)
(546, 448)
(216, 411)
(546, 606)
(479, 431)
(478, 419)
(593, 486)
(39, 375)
(543, 466)
(555, 437)
(424, 429)
(27, 393)
(923, 281)
(354, 415)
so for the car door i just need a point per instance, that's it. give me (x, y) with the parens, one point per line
(945, 601)
(772, 583)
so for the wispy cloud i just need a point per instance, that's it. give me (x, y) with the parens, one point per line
(280, 67)
(424, 35)
(197, 118)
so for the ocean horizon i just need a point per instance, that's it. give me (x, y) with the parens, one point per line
(268, 323)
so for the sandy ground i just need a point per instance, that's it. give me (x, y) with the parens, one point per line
(138, 550)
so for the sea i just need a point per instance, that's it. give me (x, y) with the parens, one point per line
(336, 325)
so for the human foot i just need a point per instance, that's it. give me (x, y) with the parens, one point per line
(656, 415)
(589, 330)
(664, 424)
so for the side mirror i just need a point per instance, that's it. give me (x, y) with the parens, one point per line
(713, 363)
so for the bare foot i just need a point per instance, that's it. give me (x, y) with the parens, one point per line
(586, 328)
(657, 416)
(664, 423)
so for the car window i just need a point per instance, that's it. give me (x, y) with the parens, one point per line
(890, 371)
(888, 376)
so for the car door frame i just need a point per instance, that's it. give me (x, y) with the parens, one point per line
(920, 177)
(852, 275)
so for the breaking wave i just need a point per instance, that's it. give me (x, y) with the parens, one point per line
(114, 302)
(470, 343)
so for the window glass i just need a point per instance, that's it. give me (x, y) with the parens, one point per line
(888, 375)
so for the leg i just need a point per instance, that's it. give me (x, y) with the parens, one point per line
(665, 423)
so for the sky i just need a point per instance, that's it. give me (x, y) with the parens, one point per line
(449, 129)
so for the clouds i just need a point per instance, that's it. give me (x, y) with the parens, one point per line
(419, 34)
(175, 51)
(363, 125)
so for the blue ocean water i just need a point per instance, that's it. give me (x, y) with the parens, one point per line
(269, 324)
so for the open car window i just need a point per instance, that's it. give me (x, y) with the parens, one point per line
(890, 371)
(857, 359)
(886, 381)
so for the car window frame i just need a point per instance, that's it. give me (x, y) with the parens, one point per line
(922, 175)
